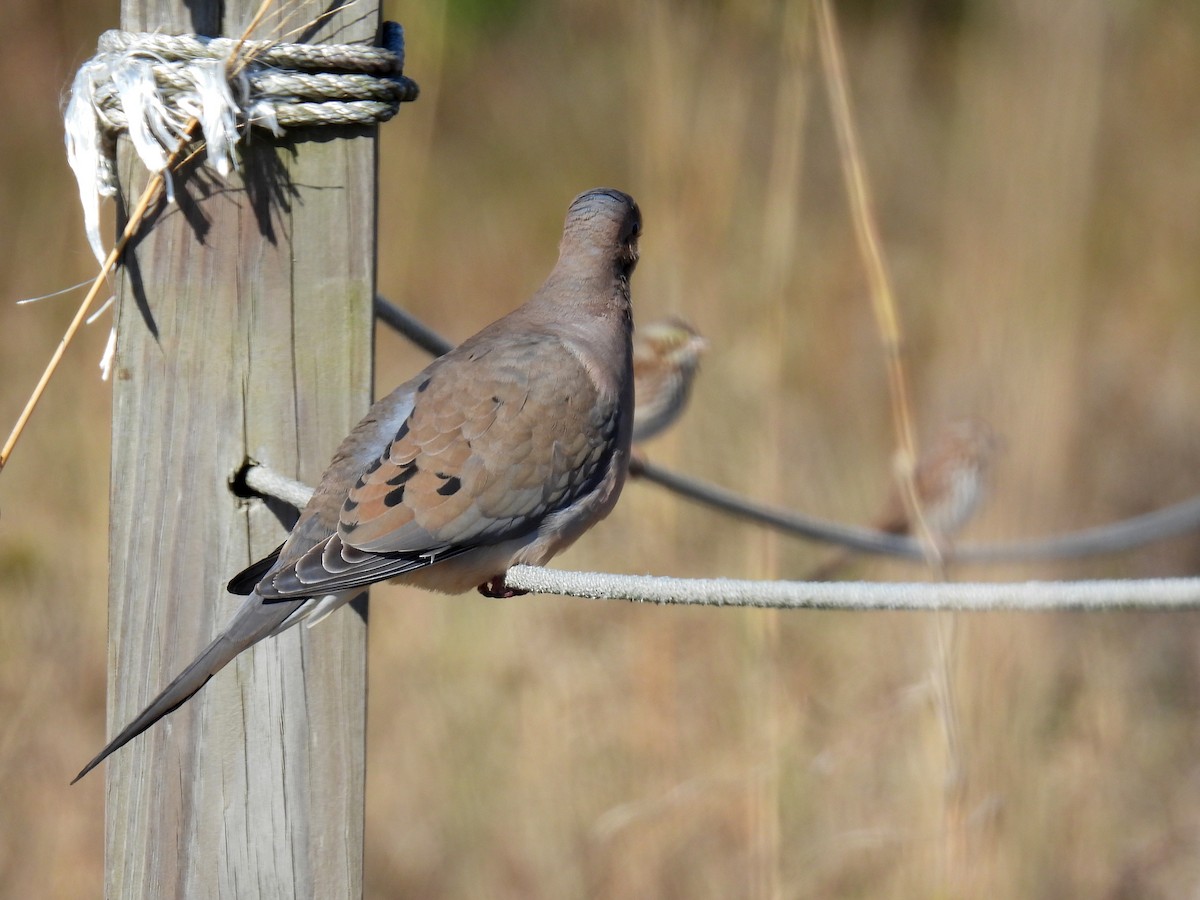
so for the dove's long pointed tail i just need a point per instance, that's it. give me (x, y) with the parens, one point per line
(253, 621)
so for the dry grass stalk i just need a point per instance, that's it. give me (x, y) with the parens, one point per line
(883, 300)
(149, 197)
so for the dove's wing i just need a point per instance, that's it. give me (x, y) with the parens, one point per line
(467, 468)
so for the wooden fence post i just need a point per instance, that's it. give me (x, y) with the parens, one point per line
(244, 330)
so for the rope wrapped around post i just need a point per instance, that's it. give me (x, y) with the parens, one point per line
(152, 86)
(305, 84)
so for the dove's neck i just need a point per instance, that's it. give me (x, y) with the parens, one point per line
(589, 309)
(596, 299)
(591, 281)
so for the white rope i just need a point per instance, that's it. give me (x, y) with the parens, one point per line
(1028, 596)
(151, 85)
(270, 483)
(1157, 593)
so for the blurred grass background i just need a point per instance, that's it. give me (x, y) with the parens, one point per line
(1036, 169)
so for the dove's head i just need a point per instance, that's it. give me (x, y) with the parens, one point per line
(605, 223)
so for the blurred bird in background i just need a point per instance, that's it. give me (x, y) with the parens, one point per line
(950, 480)
(666, 357)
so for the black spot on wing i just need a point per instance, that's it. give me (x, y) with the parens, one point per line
(394, 497)
(450, 487)
(403, 432)
(404, 474)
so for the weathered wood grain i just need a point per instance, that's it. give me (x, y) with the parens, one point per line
(244, 330)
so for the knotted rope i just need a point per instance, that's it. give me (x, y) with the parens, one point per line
(152, 85)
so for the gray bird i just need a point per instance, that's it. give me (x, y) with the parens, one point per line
(503, 451)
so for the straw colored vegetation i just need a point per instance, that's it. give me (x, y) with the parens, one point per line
(1036, 171)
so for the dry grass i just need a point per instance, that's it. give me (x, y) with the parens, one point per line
(1036, 174)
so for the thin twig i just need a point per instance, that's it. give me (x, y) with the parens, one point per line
(237, 61)
(883, 301)
(316, 20)
(149, 196)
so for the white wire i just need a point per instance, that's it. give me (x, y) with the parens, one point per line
(1027, 596)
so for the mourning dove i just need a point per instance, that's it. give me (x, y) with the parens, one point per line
(503, 451)
(950, 481)
(666, 356)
